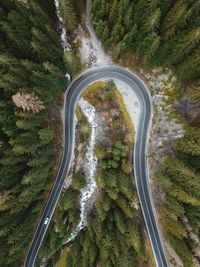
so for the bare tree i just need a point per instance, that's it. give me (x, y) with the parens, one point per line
(28, 102)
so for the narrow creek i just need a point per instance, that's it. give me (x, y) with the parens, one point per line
(64, 38)
(88, 193)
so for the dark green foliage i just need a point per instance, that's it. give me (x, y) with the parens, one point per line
(63, 224)
(163, 32)
(113, 234)
(166, 33)
(31, 60)
(108, 90)
(111, 157)
(182, 249)
(180, 181)
(78, 181)
(68, 13)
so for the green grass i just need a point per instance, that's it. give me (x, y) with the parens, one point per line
(92, 87)
(125, 113)
(62, 261)
(78, 113)
(89, 94)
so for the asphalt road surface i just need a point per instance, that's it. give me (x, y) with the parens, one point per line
(139, 156)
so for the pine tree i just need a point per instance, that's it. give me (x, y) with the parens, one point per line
(186, 44)
(190, 67)
(175, 19)
(78, 181)
(120, 221)
(71, 62)
(178, 193)
(46, 136)
(113, 12)
(134, 237)
(152, 21)
(68, 14)
(175, 228)
(154, 43)
(128, 20)
(33, 78)
(189, 146)
(54, 70)
(195, 95)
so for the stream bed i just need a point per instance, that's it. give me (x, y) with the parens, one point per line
(88, 193)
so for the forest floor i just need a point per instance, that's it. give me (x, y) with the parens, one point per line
(62, 260)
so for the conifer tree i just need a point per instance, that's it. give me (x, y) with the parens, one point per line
(175, 19)
(186, 44)
(33, 77)
(68, 14)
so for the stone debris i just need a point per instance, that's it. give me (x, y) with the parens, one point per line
(88, 193)
(165, 128)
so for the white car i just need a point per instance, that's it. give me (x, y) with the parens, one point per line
(46, 220)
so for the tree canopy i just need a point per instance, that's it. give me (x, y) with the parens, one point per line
(32, 71)
(163, 32)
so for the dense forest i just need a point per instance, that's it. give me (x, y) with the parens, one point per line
(163, 32)
(71, 10)
(166, 33)
(32, 74)
(181, 182)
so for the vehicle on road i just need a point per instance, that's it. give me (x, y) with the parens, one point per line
(140, 160)
(46, 220)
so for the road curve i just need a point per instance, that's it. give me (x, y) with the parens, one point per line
(139, 156)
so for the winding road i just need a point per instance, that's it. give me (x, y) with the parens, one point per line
(139, 156)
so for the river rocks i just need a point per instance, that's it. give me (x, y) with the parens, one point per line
(190, 109)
